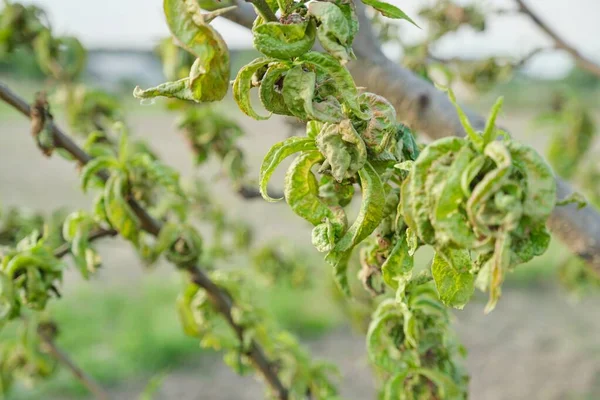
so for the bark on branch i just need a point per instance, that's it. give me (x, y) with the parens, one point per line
(220, 298)
(428, 111)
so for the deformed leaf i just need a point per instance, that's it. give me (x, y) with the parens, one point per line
(276, 155)
(343, 148)
(452, 276)
(540, 193)
(334, 30)
(369, 217)
(299, 96)
(208, 79)
(301, 189)
(346, 88)
(243, 84)
(381, 127)
(270, 90)
(118, 212)
(397, 268)
(283, 41)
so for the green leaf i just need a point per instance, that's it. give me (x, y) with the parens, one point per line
(243, 84)
(397, 268)
(369, 217)
(283, 41)
(299, 90)
(446, 386)
(276, 155)
(471, 133)
(94, 166)
(347, 91)
(449, 220)
(417, 202)
(490, 131)
(334, 30)
(301, 189)
(343, 148)
(270, 95)
(452, 276)
(118, 212)
(208, 79)
(389, 10)
(540, 186)
(186, 313)
(299, 96)
(489, 185)
(381, 127)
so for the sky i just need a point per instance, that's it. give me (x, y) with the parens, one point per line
(140, 23)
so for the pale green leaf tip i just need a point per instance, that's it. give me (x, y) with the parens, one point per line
(139, 93)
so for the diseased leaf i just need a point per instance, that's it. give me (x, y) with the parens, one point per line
(299, 96)
(96, 165)
(416, 198)
(346, 89)
(368, 219)
(397, 268)
(118, 212)
(283, 41)
(208, 79)
(301, 189)
(186, 314)
(381, 128)
(344, 150)
(452, 276)
(270, 91)
(243, 84)
(276, 155)
(540, 189)
(333, 30)
(450, 223)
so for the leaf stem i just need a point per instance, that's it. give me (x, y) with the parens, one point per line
(221, 299)
(263, 9)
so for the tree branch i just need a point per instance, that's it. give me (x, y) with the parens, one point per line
(220, 298)
(63, 358)
(559, 42)
(429, 111)
(100, 233)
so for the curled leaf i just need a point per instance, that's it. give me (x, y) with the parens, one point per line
(381, 128)
(276, 155)
(271, 95)
(346, 90)
(299, 96)
(283, 41)
(301, 189)
(243, 84)
(208, 78)
(343, 148)
(397, 268)
(452, 276)
(369, 217)
(334, 30)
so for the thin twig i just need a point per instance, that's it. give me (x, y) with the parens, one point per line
(220, 298)
(559, 42)
(65, 248)
(63, 358)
